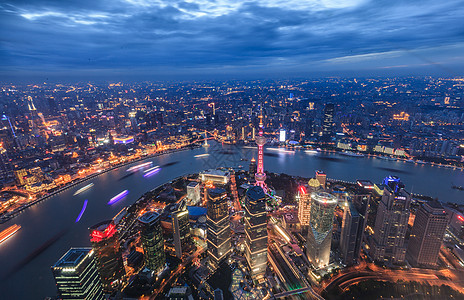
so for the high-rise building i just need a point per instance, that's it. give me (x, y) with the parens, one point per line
(193, 193)
(320, 228)
(427, 234)
(253, 168)
(391, 223)
(353, 226)
(181, 228)
(322, 178)
(218, 237)
(350, 239)
(76, 275)
(151, 235)
(328, 124)
(256, 231)
(260, 176)
(108, 254)
(304, 205)
(6, 168)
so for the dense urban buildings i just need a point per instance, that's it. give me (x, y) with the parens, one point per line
(218, 234)
(185, 236)
(427, 234)
(256, 239)
(76, 275)
(152, 238)
(320, 228)
(108, 255)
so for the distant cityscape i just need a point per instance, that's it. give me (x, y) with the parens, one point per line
(244, 232)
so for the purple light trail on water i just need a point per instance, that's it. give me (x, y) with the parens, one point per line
(82, 211)
(118, 197)
(152, 172)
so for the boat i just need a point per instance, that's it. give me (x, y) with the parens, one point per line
(352, 154)
(118, 197)
(410, 161)
(9, 232)
(243, 159)
(201, 155)
(138, 167)
(457, 187)
(83, 189)
(311, 151)
(420, 162)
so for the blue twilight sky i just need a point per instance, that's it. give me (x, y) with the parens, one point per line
(145, 39)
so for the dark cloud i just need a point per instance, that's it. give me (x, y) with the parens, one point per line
(254, 36)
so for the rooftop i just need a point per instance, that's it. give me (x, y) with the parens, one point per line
(72, 258)
(149, 217)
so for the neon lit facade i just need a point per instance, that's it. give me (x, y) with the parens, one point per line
(108, 254)
(260, 176)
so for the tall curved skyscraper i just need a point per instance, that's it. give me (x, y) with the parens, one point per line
(320, 228)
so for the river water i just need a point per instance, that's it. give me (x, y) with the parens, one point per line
(49, 228)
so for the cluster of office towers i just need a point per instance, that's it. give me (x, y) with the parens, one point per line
(87, 273)
(387, 243)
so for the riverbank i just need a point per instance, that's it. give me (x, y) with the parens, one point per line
(6, 217)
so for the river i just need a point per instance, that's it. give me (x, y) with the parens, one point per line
(49, 228)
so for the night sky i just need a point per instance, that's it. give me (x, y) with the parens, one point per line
(173, 39)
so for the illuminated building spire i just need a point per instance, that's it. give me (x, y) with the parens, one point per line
(260, 176)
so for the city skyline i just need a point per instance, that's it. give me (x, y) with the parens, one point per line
(155, 40)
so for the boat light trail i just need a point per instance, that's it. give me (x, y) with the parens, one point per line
(82, 211)
(118, 197)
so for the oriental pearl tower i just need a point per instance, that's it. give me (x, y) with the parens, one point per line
(260, 176)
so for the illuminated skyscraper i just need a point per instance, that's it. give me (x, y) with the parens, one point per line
(108, 254)
(181, 228)
(260, 176)
(218, 236)
(252, 169)
(322, 178)
(304, 205)
(427, 234)
(328, 124)
(353, 226)
(391, 223)
(193, 193)
(256, 231)
(151, 235)
(76, 276)
(320, 229)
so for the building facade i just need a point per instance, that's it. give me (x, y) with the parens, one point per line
(217, 221)
(181, 228)
(353, 226)
(304, 205)
(427, 234)
(256, 232)
(108, 254)
(151, 235)
(320, 229)
(76, 275)
(193, 193)
(388, 245)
